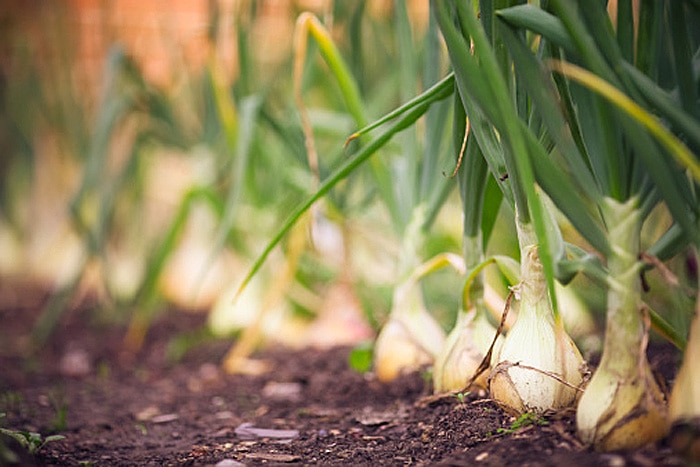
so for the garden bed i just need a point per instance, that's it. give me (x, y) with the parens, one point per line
(115, 408)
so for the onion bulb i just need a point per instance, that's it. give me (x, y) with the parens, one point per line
(539, 366)
(410, 339)
(463, 352)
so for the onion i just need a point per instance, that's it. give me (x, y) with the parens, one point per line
(623, 407)
(411, 338)
(463, 352)
(539, 366)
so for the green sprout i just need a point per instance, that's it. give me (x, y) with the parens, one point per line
(360, 358)
(461, 396)
(526, 419)
(58, 422)
(31, 441)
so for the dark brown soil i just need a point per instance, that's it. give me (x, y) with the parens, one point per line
(311, 408)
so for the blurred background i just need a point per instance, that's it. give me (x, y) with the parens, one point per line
(150, 150)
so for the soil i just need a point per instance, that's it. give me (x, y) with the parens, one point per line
(311, 408)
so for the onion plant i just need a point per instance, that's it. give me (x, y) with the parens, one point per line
(612, 163)
(472, 334)
(409, 180)
(551, 99)
(538, 366)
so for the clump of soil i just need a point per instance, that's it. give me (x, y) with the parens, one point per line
(114, 408)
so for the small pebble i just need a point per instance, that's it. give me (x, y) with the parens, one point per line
(209, 372)
(613, 460)
(165, 418)
(75, 363)
(224, 415)
(148, 413)
(282, 391)
(218, 401)
(229, 463)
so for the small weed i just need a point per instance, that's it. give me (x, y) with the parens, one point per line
(58, 402)
(360, 358)
(183, 343)
(11, 401)
(142, 428)
(461, 396)
(427, 375)
(31, 441)
(524, 420)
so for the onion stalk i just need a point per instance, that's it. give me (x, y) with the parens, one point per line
(472, 335)
(623, 406)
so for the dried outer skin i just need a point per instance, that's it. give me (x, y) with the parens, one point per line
(520, 386)
(684, 403)
(635, 414)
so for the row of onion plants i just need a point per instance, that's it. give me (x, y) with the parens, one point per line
(560, 110)
(585, 109)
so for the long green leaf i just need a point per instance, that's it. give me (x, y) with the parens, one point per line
(540, 22)
(339, 174)
(680, 151)
(350, 90)
(686, 77)
(608, 157)
(625, 29)
(470, 86)
(651, 18)
(559, 185)
(542, 91)
(686, 125)
(440, 90)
